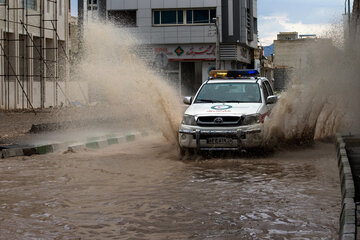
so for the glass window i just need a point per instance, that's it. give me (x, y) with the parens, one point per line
(168, 17)
(212, 15)
(156, 17)
(266, 93)
(123, 18)
(270, 91)
(229, 92)
(189, 18)
(180, 16)
(201, 16)
(30, 4)
(255, 25)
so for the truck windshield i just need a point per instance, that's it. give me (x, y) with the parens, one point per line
(229, 92)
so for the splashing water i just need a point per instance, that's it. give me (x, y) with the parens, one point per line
(321, 100)
(129, 88)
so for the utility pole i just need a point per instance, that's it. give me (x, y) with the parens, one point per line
(349, 17)
(347, 24)
(218, 66)
(349, 21)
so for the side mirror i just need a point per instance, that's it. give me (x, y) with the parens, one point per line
(187, 100)
(271, 99)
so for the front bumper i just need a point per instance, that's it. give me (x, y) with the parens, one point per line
(239, 137)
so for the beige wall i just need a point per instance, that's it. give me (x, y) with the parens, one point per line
(295, 53)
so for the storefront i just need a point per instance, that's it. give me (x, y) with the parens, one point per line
(186, 65)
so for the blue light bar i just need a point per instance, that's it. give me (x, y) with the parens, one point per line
(243, 73)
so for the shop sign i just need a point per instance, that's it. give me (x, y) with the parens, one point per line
(243, 55)
(187, 52)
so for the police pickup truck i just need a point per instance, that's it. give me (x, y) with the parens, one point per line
(227, 112)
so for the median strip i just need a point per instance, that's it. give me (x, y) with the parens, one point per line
(91, 143)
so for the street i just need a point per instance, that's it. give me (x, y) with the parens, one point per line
(141, 190)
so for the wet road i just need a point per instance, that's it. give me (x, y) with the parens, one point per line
(141, 190)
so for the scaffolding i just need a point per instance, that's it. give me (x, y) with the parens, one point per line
(29, 47)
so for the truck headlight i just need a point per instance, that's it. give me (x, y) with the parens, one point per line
(189, 120)
(251, 119)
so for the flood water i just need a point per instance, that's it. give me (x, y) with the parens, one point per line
(141, 190)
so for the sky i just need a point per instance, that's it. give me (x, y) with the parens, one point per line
(303, 16)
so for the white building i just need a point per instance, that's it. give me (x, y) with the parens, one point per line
(180, 35)
(34, 47)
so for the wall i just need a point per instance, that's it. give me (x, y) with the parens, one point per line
(169, 34)
(294, 53)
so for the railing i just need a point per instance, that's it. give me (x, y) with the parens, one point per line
(348, 206)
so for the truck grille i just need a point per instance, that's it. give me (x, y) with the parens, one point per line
(227, 121)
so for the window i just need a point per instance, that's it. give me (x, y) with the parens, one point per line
(229, 92)
(157, 17)
(188, 16)
(255, 25)
(180, 17)
(248, 24)
(212, 15)
(168, 17)
(270, 91)
(201, 16)
(124, 18)
(30, 4)
(266, 93)
(92, 5)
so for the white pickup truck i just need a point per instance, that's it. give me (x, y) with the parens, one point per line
(227, 112)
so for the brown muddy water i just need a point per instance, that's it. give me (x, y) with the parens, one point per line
(141, 190)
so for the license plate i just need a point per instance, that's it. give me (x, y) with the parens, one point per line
(220, 140)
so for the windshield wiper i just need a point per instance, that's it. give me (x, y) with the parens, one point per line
(209, 101)
(234, 101)
(205, 100)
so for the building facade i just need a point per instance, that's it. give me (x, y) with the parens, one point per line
(292, 54)
(34, 47)
(180, 36)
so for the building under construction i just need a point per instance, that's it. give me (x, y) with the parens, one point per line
(33, 53)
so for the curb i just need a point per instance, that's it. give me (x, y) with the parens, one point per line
(348, 207)
(91, 143)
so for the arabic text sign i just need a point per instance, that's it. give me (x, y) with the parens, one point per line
(177, 52)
